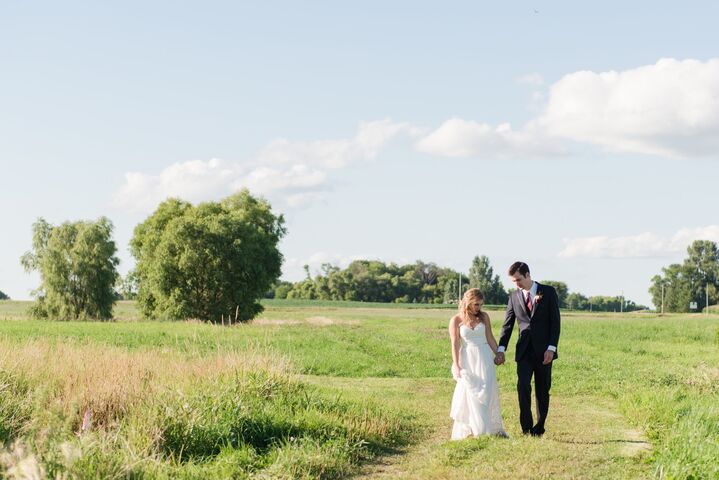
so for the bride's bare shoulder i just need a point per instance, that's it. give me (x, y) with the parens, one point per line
(455, 320)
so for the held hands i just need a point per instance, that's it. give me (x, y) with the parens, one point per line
(499, 358)
(548, 357)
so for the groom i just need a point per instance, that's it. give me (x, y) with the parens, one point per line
(535, 308)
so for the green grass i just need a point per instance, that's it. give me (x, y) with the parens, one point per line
(633, 396)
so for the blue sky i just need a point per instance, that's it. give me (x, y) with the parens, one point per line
(580, 138)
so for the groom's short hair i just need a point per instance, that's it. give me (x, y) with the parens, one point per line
(520, 267)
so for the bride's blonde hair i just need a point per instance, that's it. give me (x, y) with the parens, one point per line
(470, 297)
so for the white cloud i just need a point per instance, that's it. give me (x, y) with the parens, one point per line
(464, 139)
(265, 180)
(290, 174)
(637, 246)
(199, 180)
(670, 108)
(685, 236)
(194, 180)
(371, 137)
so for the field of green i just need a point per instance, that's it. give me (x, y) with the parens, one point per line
(326, 390)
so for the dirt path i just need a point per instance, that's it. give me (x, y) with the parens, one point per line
(586, 437)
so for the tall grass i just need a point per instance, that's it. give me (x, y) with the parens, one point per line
(166, 415)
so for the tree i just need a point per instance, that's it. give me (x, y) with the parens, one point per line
(3, 296)
(78, 269)
(701, 269)
(577, 301)
(279, 290)
(676, 289)
(128, 286)
(481, 275)
(304, 290)
(207, 261)
(688, 282)
(562, 291)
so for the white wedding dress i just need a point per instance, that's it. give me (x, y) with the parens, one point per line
(475, 404)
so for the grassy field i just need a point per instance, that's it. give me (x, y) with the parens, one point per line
(323, 390)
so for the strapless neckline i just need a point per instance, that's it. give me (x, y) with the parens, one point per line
(475, 327)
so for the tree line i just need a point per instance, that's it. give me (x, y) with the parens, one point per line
(597, 303)
(420, 282)
(376, 281)
(214, 261)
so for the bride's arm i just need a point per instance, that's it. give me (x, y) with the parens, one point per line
(488, 332)
(454, 339)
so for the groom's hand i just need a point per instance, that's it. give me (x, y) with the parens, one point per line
(548, 357)
(499, 358)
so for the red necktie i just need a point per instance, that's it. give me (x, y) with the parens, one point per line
(529, 302)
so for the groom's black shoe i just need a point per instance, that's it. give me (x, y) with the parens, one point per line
(535, 432)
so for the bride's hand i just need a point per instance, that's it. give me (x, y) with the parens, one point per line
(456, 372)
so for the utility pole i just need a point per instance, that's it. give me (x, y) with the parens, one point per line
(459, 289)
(662, 298)
(707, 299)
(621, 305)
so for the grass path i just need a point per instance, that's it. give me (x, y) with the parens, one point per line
(586, 437)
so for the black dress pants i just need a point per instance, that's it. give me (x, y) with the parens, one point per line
(531, 364)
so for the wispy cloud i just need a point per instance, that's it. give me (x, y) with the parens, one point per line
(467, 139)
(291, 174)
(533, 79)
(371, 137)
(670, 109)
(642, 245)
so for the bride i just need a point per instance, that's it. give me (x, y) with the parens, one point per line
(475, 404)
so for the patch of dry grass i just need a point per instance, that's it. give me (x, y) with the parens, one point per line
(110, 381)
(316, 320)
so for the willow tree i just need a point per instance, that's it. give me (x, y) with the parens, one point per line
(78, 269)
(208, 262)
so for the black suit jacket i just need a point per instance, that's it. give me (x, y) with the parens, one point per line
(540, 328)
